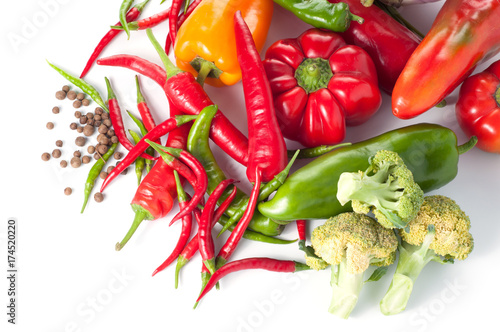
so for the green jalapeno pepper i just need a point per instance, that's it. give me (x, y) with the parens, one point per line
(430, 151)
(198, 146)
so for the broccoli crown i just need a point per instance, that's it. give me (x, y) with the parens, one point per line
(451, 225)
(386, 188)
(357, 238)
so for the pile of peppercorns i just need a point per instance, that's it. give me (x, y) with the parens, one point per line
(86, 125)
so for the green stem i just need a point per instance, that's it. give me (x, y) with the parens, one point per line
(497, 96)
(169, 66)
(316, 151)
(140, 215)
(181, 261)
(206, 68)
(345, 290)
(467, 145)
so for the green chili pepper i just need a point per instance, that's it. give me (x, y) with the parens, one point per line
(430, 151)
(87, 88)
(94, 173)
(144, 131)
(316, 151)
(140, 163)
(321, 13)
(264, 193)
(198, 146)
(124, 7)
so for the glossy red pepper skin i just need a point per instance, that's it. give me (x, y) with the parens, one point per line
(464, 33)
(388, 42)
(478, 108)
(320, 84)
(266, 145)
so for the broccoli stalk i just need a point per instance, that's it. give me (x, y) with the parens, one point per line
(345, 290)
(387, 188)
(412, 260)
(440, 233)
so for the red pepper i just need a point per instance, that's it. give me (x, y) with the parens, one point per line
(478, 108)
(263, 263)
(115, 116)
(267, 150)
(464, 33)
(132, 14)
(389, 43)
(137, 64)
(206, 223)
(320, 84)
(180, 21)
(143, 108)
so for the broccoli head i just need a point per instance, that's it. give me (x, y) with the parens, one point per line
(350, 243)
(386, 188)
(440, 232)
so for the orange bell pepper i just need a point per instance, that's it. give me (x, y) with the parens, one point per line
(206, 41)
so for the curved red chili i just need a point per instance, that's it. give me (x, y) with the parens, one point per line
(301, 230)
(115, 116)
(266, 146)
(232, 242)
(253, 263)
(157, 132)
(142, 106)
(192, 247)
(137, 64)
(132, 14)
(206, 242)
(181, 20)
(187, 221)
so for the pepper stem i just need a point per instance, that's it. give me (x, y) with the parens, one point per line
(205, 69)
(170, 68)
(140, 97)
(313, 74)
(181, 261)
(167, 158)
(467, 145)
(140, 215)
(497, 96)
(111, 93)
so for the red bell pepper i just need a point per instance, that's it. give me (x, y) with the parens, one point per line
(389, 43)
(478, 108)
(320, 84)
(464, 33)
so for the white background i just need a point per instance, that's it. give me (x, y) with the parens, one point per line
(71, 278)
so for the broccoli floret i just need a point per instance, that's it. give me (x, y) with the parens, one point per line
(386, 188)
(350, 243)
(440, 233)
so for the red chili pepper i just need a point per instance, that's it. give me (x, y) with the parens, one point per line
(186, 227)
(232, 242)
(142, 106)
(115, 116)
(137, 64)
(148, 22)
(206, 242)
(478, 108)
(132, 14)
(301, 229)
(266, 148)
(193, 245)
(320, 84)
(181, 20)
(173, 17)
(188, 95)
(162, 129)
(253, 263)
(464, 33)
(389, 43)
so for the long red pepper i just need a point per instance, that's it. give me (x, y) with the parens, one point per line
(253, 263)
(142, 106)
(180, 21)
(301, 230)
(193, 245)
(232, 242)
(188, 95)
(115, 116)
(162, 129)
(173, 17)
(187, 221)
(206, 242)
(148, 22)
(266, 145)
(132, 14)
(137, 64)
